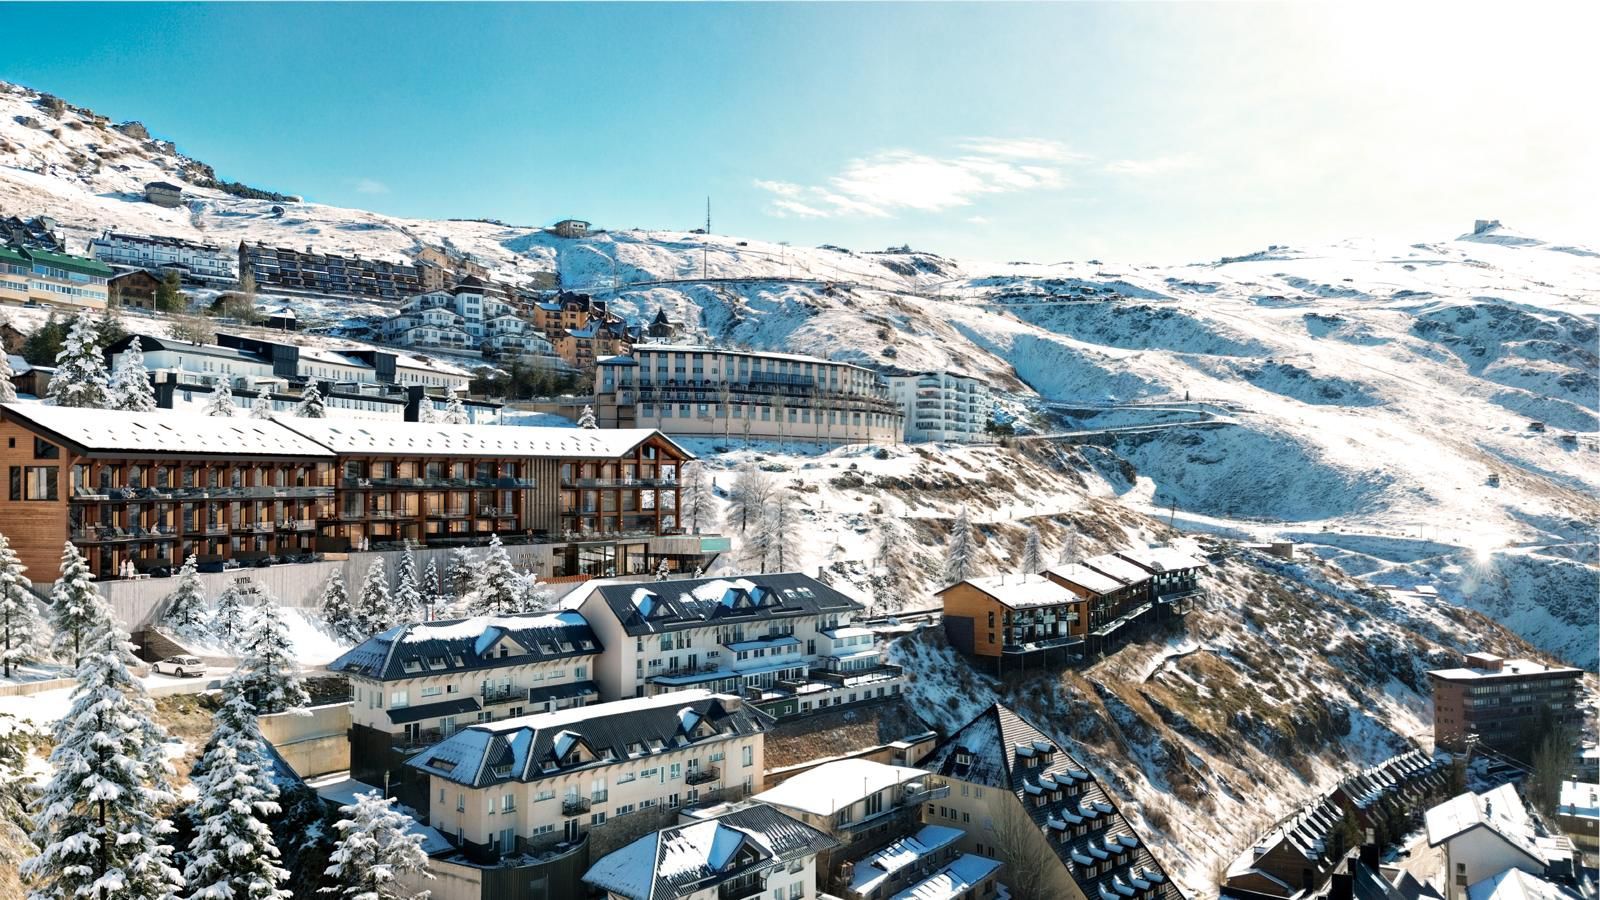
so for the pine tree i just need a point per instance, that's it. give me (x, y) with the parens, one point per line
(1069, 550)
(531, 595)
(891, 548)
(376, 847)
(425, 411)
(185, 609)
(496, 590)
(221, 402)
(169, 299)
(233, 855)
(586, 418)
(463, 571)
(375, 608)
(231, 622)
(337, 612)
(694, 495)
(1032, 556)
(8, 388)
(961, 560)
(268, 673)
(72, 605)
(98, 821)
(23, 636)
(430, 589)
(261, 407)
(455, 413)
(407, 600)
(130, 383)
(80, 379)
(311, 405)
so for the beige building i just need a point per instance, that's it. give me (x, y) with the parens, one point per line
(33, 275)
(862, 804)
(689, 390)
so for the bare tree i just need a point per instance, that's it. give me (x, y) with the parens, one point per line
(1022, 846)
(748, 496)
(694, 495)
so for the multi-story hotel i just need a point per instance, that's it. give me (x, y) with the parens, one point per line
(942, 406)
(34, 275)
(295, 271)
(745, 395)
(416, 685)
(521, 798)
(195, 260)
(151, 490)
(783, 642)
(1503, 704)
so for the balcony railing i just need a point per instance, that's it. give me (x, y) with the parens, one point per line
(163, 495)
(419, 740)
(618, 482)
(703, 775)
(436, 483)
(506, 694)
(875, 674)
(496, 512)
(572, 806)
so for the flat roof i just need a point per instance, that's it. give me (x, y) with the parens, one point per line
(1020, 591)
(1086, 578)
(833, 786)
(102, 430)
(1511, 668)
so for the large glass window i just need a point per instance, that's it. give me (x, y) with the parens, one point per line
(41, 483)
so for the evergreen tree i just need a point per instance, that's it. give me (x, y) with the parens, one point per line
(407, 600)
(261, 407)
(694, 495)
(425, 411)
(72, 607)
(375, 608)
(233, 855)
(80, 379)
(337, 611)
(1032, 556)
(430, 589)
(230, 624)
(8, 388)
(1069, 550)
(497, 589)
(130, 383)
(109, 329)
(98, 821)
(185, 609)
(533, 596)
(463, 572)
(891, 548)
(221, 402)
(169, 299)
(455, 412)
(17, 740)
(961, 555)
(311, 405)
(376, 847)
(586, 418)
(268, 673)
(23, 635)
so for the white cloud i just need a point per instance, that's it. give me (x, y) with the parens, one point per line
(370, 186)
(892, 181)
(979, 220)
(1159, 165)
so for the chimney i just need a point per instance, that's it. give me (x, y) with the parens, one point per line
(1342, 887)
(1371, 856)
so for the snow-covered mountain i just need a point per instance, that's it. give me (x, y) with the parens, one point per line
(1375, 402)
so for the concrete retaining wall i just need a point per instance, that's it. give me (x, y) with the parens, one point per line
(314, 744)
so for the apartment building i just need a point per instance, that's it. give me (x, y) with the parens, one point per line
(781, 641)
(39, 231)
(745, 395)
(569, 311)
(581, 347)
(1129, 589)
(1006, 776)
(926, 863)
(418, 684)
(748, 851)
(1483, 835)
(862, 804)
(532, 795)
(33, 275)
(941, 406)
(1503, 704)
(194, 260)
(1578, 814)
(283, 269)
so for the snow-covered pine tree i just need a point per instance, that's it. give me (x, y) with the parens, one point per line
(261, 407)
(268, 673)
(694, 495)
(337, 612)
(1032, 556)
(461, 573)
(430, 588)
(1069, 550)
(80, 379)
(221, 402)
(231, 622)
(130, 383)
(497, 590)
(311, 404)
(72, 607)
(233, 855)
(8, 390)
(23, 635)
(376, 848)
(98, 820)
(407, 599)
(374, 607)
(586, 418)
(425, 412)
(891, 548)
(961, 555)
(533, 596)
(455, 412)
(185, 610)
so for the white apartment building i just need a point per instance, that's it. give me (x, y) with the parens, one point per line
(744, 395)
(542, 783)
(942, 406)
(859, 802)
(781, 641)
(1483, 835)
(462, 317)
(198, 261)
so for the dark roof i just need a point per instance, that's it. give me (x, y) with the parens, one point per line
(529, 748)
(428, 710)
(162, 185)
(661, 316)
(433, 648)
(655, 606)
(991, 750)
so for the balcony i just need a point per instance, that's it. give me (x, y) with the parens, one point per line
(167, 495)
(859, 677)
(297, 525)
(436, 483)
(572, 806)
(419, 740)
(618, 482)
(704, 775)
(504, 694)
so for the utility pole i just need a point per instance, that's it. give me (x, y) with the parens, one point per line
(705, 244)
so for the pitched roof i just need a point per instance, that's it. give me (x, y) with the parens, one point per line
(1163, 559)
(993, 749)
(1500, 810)
(828, 788)
(459, 645)
(1118, 568)
(417, 438)
(100, 430)
(1086, 578)
(953, 881)
(688, 858)
(876, 867)
(531, 748)
(1515, 884)
(657, 606)
(1021, 591)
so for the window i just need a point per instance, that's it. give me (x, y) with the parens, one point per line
(749, 755)
(16, 482)
(399, 699)
(45, 450)
(40, 483)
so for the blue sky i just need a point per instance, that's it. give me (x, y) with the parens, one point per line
(1150, 131)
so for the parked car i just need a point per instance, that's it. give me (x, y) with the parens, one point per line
(181, 666)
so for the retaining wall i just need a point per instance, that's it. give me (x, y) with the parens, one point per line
(314, 744)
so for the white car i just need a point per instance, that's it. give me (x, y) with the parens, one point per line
(181, 666)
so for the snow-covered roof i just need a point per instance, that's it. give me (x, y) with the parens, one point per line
(1511, 668)
(1118, 568)
(372, 436)
(657, 606)
(1515, 884)
(1020, 591)
(1164, 559)
(1580, 799)
(873, 869)
(833, 786)
(755, 354)
(416, 650)
(1499, 810)
(1086, 578)
(101, 430)
(955, 880)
